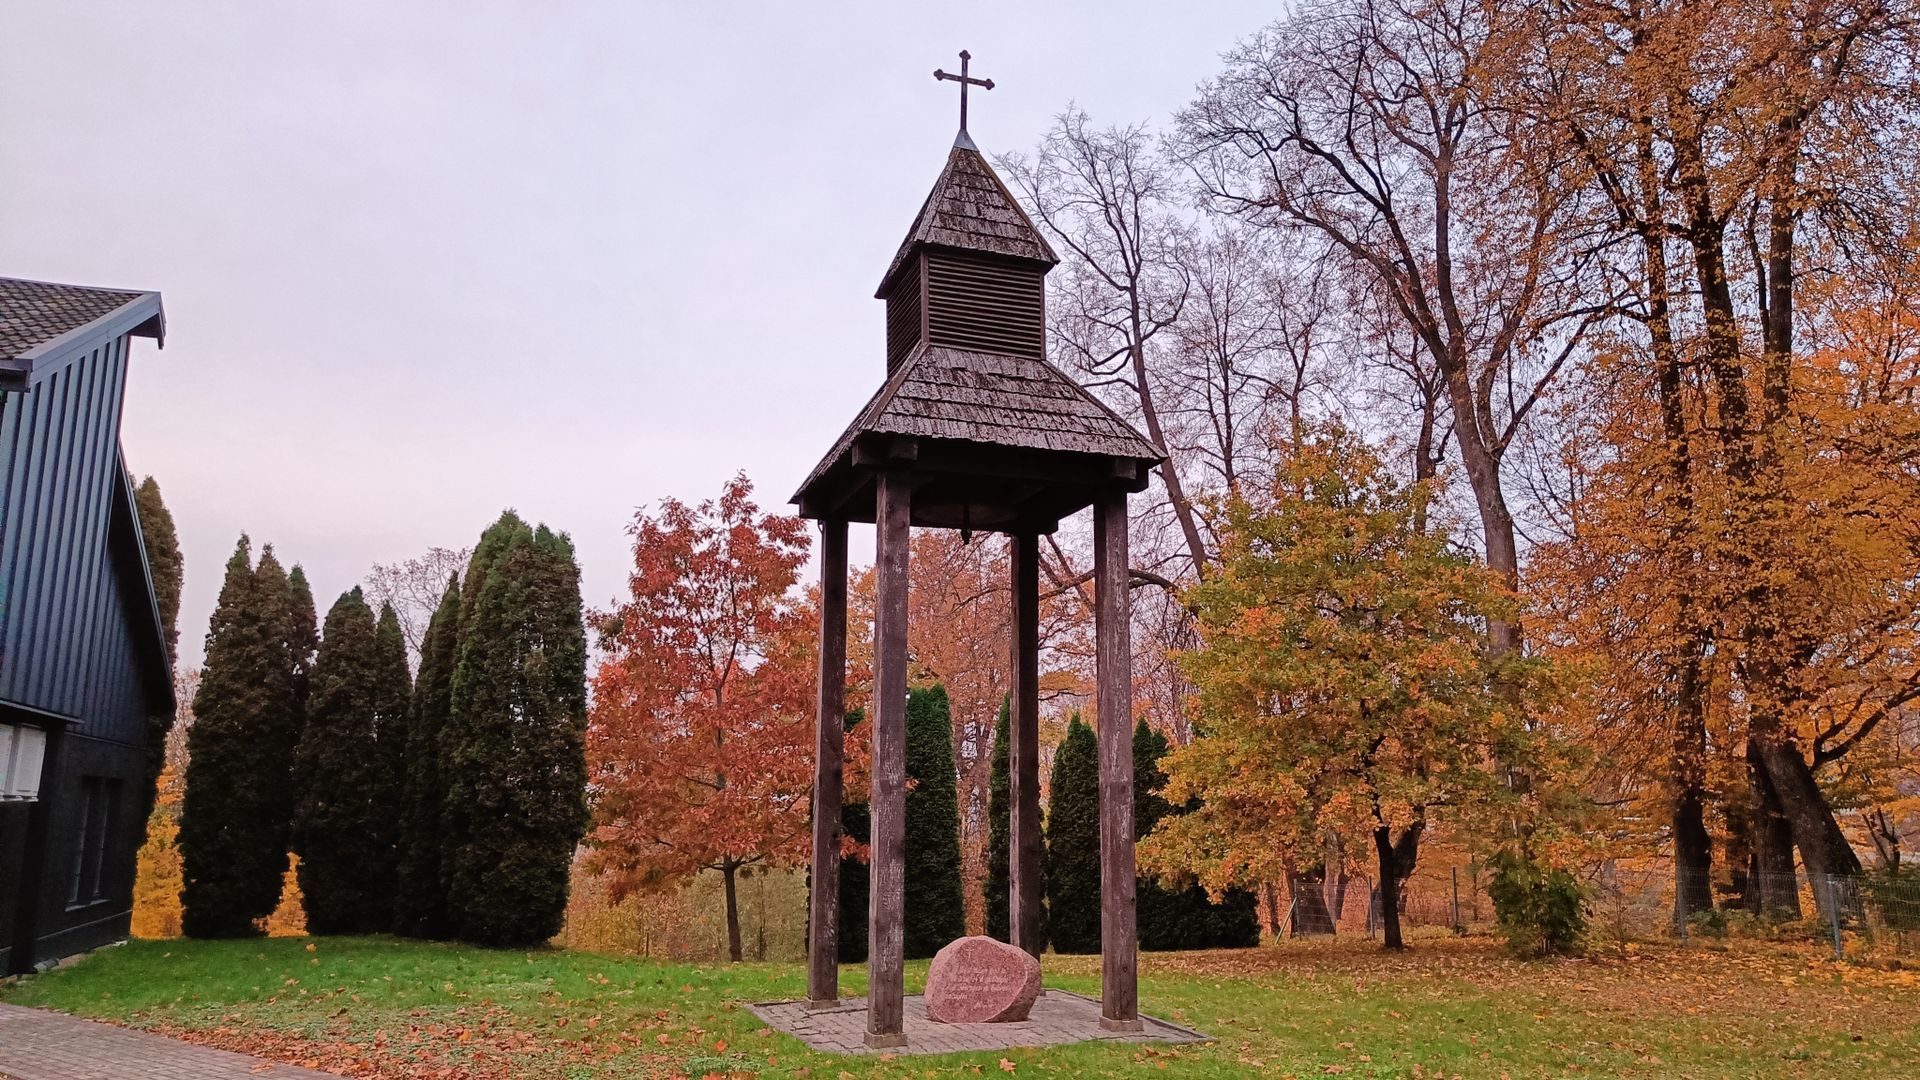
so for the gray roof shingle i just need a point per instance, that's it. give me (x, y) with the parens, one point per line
(970, 208)
(33, 313)
(990, 398)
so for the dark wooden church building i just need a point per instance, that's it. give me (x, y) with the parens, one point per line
(84, 669)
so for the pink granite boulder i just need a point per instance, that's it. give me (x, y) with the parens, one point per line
(978, 980)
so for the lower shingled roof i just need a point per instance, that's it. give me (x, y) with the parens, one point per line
(990, 398)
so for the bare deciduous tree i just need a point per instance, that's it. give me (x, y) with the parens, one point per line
(414, 588)
(1107, 198)
(1364, 122)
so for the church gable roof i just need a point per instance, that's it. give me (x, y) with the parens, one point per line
(42, 323)
(990, 398)
(34, 313)
(969, 208)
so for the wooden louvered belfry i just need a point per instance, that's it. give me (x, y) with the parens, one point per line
(971, 273)
(974, 430)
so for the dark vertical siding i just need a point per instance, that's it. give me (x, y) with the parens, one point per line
(57, 590)
(77, 641)
(114, 701)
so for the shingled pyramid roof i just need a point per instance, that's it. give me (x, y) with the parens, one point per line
(969, 208)
(989, 398)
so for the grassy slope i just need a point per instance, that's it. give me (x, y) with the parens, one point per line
(383, 1007)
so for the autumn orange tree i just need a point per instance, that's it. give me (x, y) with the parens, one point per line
(1746, 156)
(700, 736)
(1344, 683)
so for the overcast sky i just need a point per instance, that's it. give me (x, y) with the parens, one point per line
(424, 261)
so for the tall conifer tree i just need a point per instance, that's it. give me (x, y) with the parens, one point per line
(1000, 827)
(287, 593)
(233, 839)
(164, 561)
(935, 901)
(420, 896)
(515, 758)
(343, 825)
(167, 569)
(1073, 843)
(391, 706)
(303, 633)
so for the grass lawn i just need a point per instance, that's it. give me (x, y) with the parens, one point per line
(381, 1007)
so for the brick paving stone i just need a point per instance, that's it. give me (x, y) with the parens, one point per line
(1058, 1017)
(39, 1045)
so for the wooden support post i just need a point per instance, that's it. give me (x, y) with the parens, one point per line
(1119, 947)
(1023, 749)
(886, 943)
(829, 746)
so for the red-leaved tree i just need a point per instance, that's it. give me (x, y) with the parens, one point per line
(700, 735)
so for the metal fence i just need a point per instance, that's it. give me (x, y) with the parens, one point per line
(1866, 917)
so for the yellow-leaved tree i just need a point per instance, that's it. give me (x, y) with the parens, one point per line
(1343, 683)
(156, 881)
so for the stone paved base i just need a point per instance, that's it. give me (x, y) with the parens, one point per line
(40, 1045)
(1058, 1017)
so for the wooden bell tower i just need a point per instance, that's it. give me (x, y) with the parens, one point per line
(972, 430)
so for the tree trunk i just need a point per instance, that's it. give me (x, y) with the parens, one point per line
(1772, 891)
(1771, 751)
(1389, 889)
(1310, 915)
(1823, 847)
(1183, 512)
(1692, 857)
(727, 872)
(1272, 896)
(1692, 845)
(1333, 896)
(1481, 461)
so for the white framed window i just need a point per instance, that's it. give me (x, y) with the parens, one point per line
(22, 752)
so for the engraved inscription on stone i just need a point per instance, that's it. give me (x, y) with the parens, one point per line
(978, 980)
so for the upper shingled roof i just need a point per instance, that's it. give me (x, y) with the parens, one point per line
(969, 208)
(33, 313)
(990, 398)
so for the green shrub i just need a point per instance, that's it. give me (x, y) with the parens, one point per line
(1709, 923)
(1540, 910)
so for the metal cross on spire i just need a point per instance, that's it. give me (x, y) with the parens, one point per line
(965, 81)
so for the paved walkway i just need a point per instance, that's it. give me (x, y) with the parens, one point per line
(40, 1045)
(1058, 1017)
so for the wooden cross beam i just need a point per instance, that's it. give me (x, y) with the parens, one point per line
(965, 81)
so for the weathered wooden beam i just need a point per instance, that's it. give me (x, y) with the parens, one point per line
(829, 745)
(1014, 463)
(1113, 674)
(876, 451)
(1023, 748)
(886, 943)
